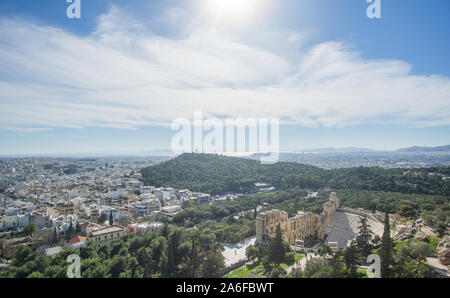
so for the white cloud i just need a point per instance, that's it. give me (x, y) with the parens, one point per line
(125, 76)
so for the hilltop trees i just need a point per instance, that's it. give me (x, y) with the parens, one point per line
(216, 174)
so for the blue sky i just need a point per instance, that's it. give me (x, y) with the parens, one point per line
(114, 80)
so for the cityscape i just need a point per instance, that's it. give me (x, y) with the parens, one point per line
(224, 147)
(60, 205)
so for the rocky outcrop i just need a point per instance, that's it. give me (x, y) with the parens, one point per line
(404, 233)
(421, 236)
(444, 250)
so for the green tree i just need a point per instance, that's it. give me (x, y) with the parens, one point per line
(194, 262)
(118, 265)
(351, 258)
(213, 265)
(144, 259)
(336, 264)
(252, 252)
(420, 250)
(30, 229)
(363, 239)
(325, 250)
(69, 232)
(386, 249)
(78, 228)
(102, 218)
(55, 235)
(277, 250)
(406, 211)
(23, 255)
(36, 274)
(276, 272)
(317, 267)
(296, 273)
(111, 219)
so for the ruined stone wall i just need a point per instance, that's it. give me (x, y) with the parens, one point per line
(299, 227)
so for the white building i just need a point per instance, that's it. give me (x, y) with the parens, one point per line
(106, 235)
(164, 193)
(8, 222)
(147, 227)
(147, 189)
(145, 207)
(170, 211)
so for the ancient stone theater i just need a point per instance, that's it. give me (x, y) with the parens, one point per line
(299, 227)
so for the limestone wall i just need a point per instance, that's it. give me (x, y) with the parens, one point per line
(299, 227)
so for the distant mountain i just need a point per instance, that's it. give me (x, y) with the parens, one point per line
(425, 149)
(163, 152)
(337, 150)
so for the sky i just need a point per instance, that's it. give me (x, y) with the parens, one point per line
(114, 80)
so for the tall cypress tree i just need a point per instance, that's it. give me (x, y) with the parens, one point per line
(170, 258)
(69, 231)
(351, 259)
(55, 236)
(277, 250)
(111, 220)
(363, 239)
(195, 263)
(386, 250)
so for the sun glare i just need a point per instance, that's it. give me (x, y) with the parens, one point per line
(234, 11)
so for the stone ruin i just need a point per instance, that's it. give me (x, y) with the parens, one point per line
(299, 227)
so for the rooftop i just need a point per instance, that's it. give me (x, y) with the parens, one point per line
(107, 230)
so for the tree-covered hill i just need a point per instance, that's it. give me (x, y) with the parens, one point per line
(217, 174)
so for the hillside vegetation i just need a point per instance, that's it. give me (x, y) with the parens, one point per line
(217, 174)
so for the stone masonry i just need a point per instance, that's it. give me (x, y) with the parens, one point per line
(299, 227)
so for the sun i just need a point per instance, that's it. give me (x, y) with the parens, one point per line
(234, 8)
(234, 11)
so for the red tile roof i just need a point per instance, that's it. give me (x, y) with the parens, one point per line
(77, 239)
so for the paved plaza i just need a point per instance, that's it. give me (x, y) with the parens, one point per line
(235, 253)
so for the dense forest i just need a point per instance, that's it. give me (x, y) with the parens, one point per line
(217, 174)
(172, 252)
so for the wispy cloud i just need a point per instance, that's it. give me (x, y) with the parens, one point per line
(125, 76)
